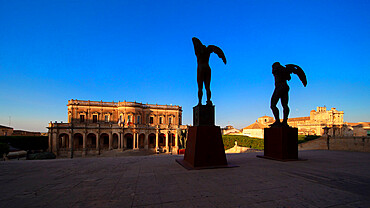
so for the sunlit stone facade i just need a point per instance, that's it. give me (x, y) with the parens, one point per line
(311, 125)
(96, 126)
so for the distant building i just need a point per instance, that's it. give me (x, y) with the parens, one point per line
(311, 125)
(6, 130)
(25, 133)
(254, 130)
(95, 126)
(360, 128)
(230, 130)
(9, 131)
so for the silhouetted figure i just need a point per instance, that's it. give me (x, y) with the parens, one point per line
(282, 75)
(204, 71)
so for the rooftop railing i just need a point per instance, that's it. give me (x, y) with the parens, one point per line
(122, 104)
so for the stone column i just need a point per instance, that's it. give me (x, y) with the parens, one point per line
(119, 140)
(71, 145)
(70, 142)
(167, 135)
(84, 144)
(176, 147)
(110, 141)
(176, 140)
(54, 139)
(156, 141)
(97, 144)
(134, 141)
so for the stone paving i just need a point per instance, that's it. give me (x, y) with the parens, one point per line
(325, 179)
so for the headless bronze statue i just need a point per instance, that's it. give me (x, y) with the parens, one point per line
(282, 75)
(204, 71)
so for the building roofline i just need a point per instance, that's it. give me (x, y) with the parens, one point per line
(122, 104)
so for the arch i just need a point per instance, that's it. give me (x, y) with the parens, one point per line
(162, 140)
(141, 141)
(129, 141)
(63, 141)
(104, 141)
(91, 141)
(77, 141)
(151, 140)
(115, 141)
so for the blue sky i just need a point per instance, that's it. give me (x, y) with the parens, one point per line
(54, 51)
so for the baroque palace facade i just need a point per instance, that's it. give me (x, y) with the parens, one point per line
(96, 126)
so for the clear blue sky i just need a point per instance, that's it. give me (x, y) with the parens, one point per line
(54, 51)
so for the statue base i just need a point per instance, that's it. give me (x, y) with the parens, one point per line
(204, 149)
(204, 146)
(204, 115)
(281, 143)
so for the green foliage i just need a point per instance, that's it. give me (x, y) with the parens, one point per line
(243, 141)
(26, 142)
(255, 143)
(4, 148)
(304, 138)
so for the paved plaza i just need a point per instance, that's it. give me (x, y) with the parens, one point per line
(325, 179)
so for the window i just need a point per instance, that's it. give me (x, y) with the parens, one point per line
(106, 118)
(138, 120)
(170, 120)
(120, 119)
(151, 120)
(160, 120)
(95, 118)
(82, 118)
(129, 118)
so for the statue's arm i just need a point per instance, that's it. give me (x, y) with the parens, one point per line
(197, 45)
(217, 51)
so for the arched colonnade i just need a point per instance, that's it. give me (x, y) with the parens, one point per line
(94, 142)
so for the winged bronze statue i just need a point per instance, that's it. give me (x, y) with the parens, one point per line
(203, 70)
(282, 75)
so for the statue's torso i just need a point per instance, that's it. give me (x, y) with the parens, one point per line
(281, 78)
(203, 57)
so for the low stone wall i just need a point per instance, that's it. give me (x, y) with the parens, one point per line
(319, 143)
(358, 144)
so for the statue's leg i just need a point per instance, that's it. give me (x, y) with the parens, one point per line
(284, 103)
(200, 87)
(274, 100)
(207, 83)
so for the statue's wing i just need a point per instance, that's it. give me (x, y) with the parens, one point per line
(217, 51)
(197, 45)
(298, 71)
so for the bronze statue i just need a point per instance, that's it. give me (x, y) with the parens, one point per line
(282, 75)
(204, 71)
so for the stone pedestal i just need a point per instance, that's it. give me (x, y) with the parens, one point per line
(204, 146)
(281, 143)
(204, 115)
